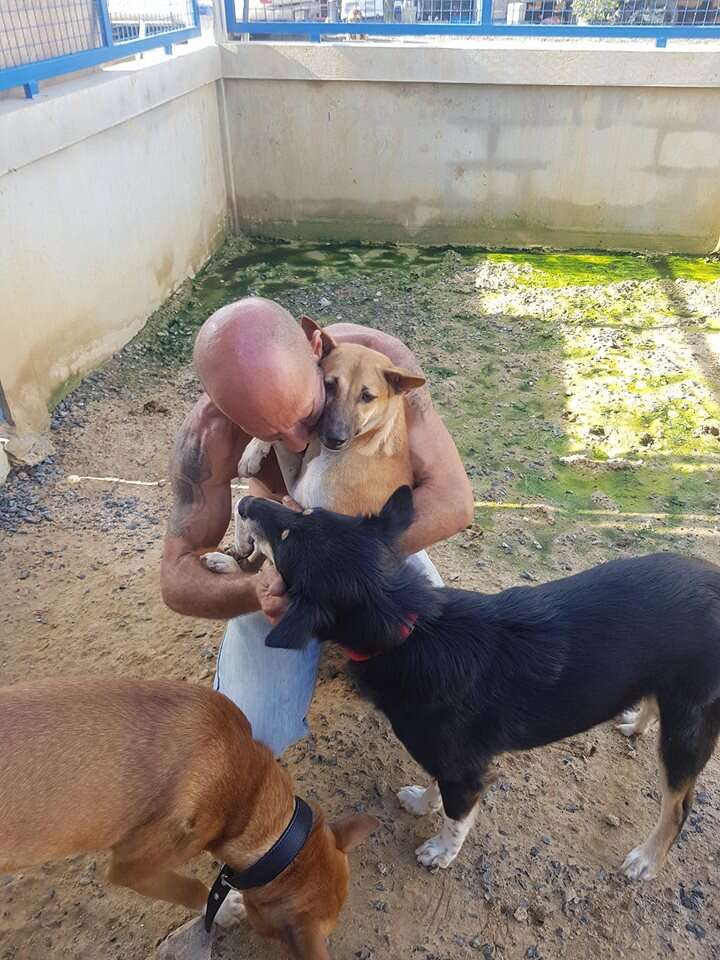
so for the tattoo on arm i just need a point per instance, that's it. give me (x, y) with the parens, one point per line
(190, 471)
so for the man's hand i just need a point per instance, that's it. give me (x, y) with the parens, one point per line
(271, 593)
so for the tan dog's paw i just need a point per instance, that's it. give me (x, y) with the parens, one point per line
(219, 562)
(252, 458)
(232, 911)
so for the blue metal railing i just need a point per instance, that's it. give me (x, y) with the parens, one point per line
(39, 40)
(658, 20)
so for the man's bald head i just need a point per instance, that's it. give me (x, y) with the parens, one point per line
(258, 367)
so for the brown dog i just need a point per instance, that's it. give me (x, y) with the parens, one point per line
(157, 772)
(360, 453)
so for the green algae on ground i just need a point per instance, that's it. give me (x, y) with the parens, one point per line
(554, 270)
(558, 364)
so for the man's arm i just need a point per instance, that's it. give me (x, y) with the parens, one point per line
(203, 464)
(443, 497)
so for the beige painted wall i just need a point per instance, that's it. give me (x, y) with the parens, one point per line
(606, 148)
(96, 233)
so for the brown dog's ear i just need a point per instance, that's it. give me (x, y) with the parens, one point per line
(350, 831)
(307, 943)
(321, 341)
(403, 381)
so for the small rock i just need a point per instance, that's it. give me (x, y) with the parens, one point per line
(30, 449)
(532, 953)
(526, 575)
(537, 914)
(696, 930)
(521, 915)
(612, 821)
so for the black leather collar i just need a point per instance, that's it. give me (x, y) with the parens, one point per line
(280, 855)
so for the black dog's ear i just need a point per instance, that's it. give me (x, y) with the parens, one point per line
(295, 630)
(397, 514)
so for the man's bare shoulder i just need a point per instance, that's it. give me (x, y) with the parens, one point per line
(393, 348)
(206, 427)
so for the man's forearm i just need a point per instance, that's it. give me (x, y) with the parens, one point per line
(438, 515)
(191, 589)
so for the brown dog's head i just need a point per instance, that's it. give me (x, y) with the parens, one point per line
(301, 907)
(363, 389)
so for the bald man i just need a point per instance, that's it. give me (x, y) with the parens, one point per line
(262, 378)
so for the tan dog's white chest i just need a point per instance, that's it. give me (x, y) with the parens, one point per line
(312, 488)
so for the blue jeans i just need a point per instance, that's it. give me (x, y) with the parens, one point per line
(274, 688)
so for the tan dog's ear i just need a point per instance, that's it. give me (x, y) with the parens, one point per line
(307, 943)
(321, 341)
(309, 326)
(351, 830)
(402, 381)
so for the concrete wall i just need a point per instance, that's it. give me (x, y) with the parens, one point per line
(112, 192)
(611, 146)
(116, 185)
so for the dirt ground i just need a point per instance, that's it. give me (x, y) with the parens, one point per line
(586, 413)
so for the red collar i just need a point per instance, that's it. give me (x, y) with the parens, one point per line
(405, 630)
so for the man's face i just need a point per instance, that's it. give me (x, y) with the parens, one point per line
(289, 429)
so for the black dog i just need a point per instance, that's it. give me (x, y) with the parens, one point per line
(464, 676)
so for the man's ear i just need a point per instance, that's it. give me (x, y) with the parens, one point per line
(350, 831)
(296, 628)
(320, 341)
(402, 381)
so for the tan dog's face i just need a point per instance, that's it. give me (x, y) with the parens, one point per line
(302, 906)
(362, 389)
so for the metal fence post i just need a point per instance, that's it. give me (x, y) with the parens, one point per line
(486, 12)
(105, 23)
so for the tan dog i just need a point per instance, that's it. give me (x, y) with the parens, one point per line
(157, 772)
(360, 454)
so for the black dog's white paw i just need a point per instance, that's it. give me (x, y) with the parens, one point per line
(419, 800)
(640, 864)
(439, 851)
